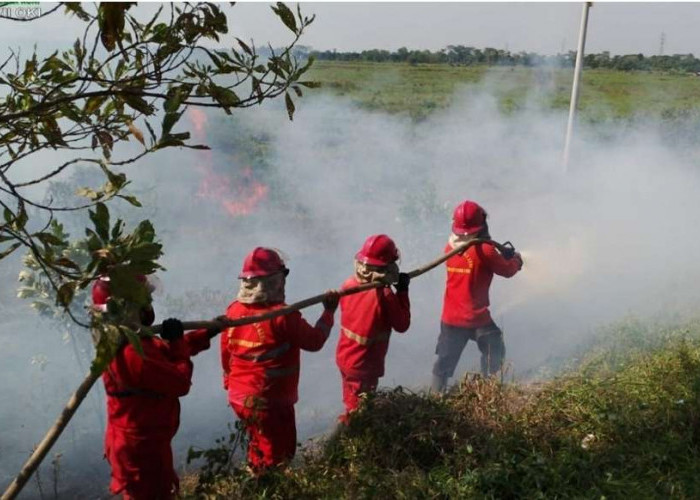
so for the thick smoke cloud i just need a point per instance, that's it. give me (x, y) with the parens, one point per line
(614, 236)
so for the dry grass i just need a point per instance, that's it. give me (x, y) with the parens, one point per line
(623, 423)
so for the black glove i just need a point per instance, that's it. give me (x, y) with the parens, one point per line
(172, 330)
(402, 284)
(330, 301)
(147, 316)
(508, 250)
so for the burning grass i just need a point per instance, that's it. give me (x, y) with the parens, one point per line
(623, 422)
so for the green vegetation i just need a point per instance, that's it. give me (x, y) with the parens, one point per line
(622, 421)
(472, 56)
(419, 90)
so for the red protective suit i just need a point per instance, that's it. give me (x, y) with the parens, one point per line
(367, 320)
(261, 373)
(469, 277)
(143, 413)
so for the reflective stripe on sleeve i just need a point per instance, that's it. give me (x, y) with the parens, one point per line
(459, 270)
(244, 343)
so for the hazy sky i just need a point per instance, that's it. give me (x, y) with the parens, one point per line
(540, 27)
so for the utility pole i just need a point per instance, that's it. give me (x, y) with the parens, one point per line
(662, 43)
(577, 78)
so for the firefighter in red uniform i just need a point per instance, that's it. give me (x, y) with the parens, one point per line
(143, 409)
(261, 360)
(367, 319)
(465, 313)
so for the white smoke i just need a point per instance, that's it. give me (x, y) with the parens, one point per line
(614, 236)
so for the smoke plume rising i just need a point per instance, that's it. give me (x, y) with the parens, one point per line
(614, 236)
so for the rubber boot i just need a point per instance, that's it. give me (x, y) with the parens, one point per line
(439, 384)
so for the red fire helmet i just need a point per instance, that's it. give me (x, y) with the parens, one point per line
(262, 262)
(468, 218)
(378, 250)
(100, 293)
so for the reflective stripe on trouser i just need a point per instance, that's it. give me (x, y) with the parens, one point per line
(451, 343)
(272, 433)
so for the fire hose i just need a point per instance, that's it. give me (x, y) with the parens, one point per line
(79, 395)
(506, 250)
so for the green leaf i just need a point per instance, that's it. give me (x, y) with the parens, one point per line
(150, 131)
(169, 121)
(71, 112)
(121, 66)
(21, 220)
(290, 105)
(9, 250)
(117, 229)
(130, 199)
(106, 141)
(52, 131)
(76, 9)
(168, 141)
(176, 96)
(144, 231)
(244, 46)
(182, 136)
(133, 339)
(123, 284)
(310, 85)
(65, 294)
(137, 103)
(100, 218)
(224, 96)
(49, 239)
(79, 52)
(172, 103)
(116, 181)
(108, 343)
(160, 33)
(286, 16)
(111, 21)
(66, 262)
(93, 104)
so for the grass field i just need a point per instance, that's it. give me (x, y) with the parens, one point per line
(421, 89)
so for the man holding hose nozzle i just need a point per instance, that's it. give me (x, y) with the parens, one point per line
(143, 408)
(465, 313)
(261, 361)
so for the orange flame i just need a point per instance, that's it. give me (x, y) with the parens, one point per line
(239, 193)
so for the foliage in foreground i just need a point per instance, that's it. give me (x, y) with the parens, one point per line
(624, 422)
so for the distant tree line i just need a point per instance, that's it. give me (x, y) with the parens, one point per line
(460, 55)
